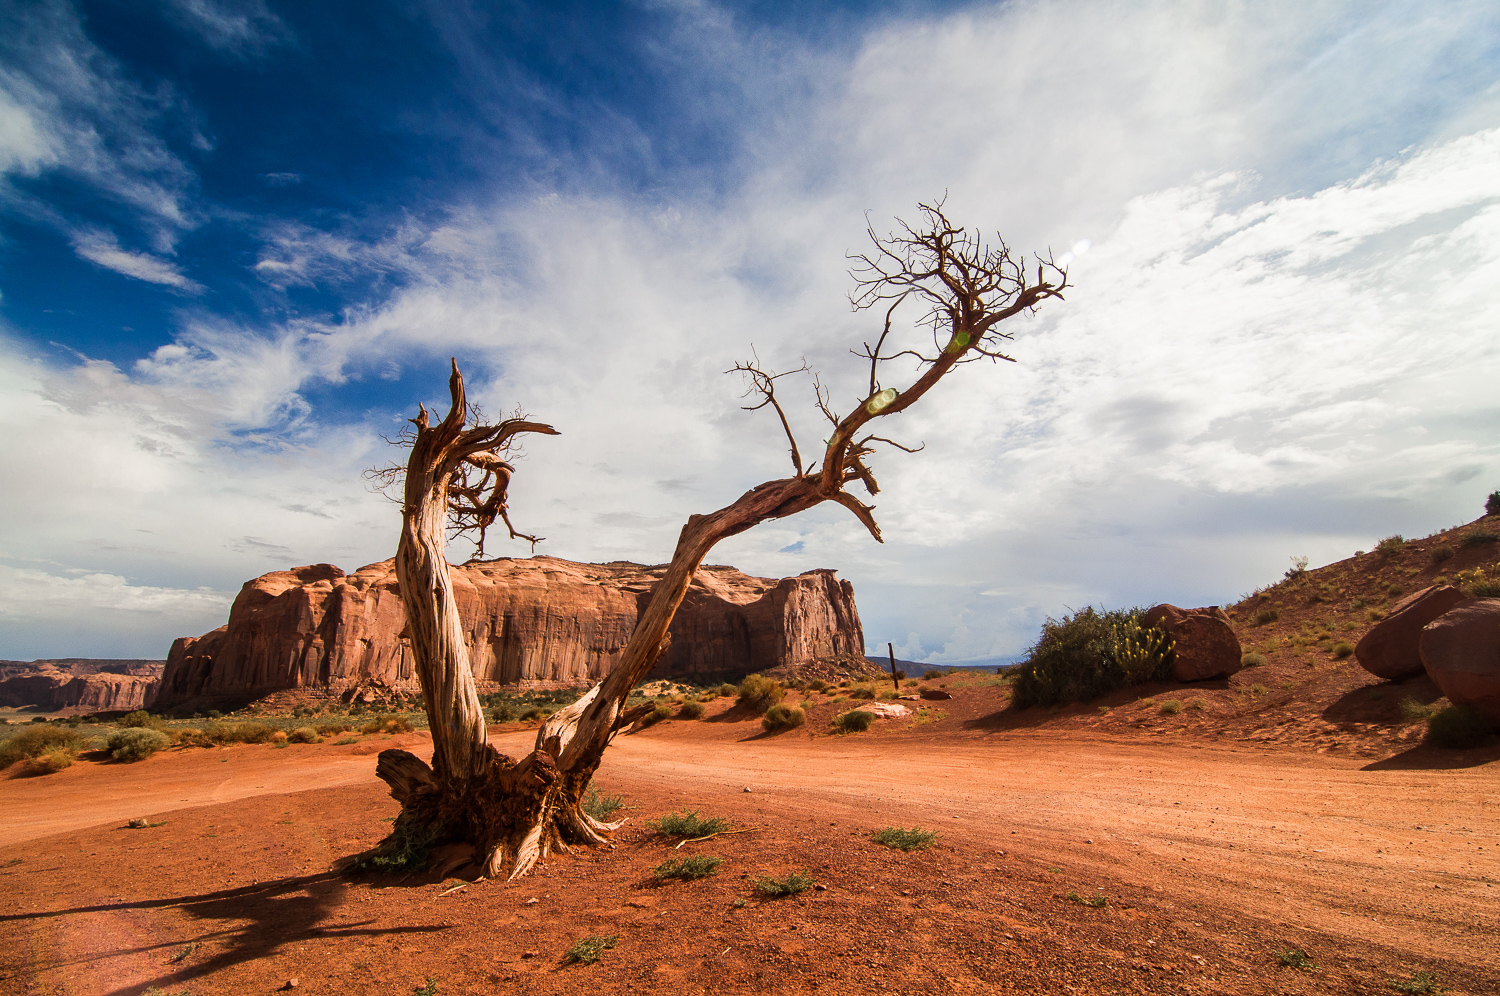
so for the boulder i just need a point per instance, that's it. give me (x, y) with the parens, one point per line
(534, 622)
(936, 693)
(1389, 649)
(1206, 646)
(1461, 651)
(884, 710)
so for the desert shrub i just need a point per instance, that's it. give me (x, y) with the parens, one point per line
(862, 692)
(135, 744)
(243, 733)
(1479, 537)
(775, 888)
(818, 685)
(279, 738)
(1395, 591)
(692, 709)
(688, 824)
(134, 720)
(689, 868)
(54, 760)
(915, 839)
(1296, 957)
(726, 690)
(1413, 711)
(759, 693)
(1199, 704)
(1088, 654)
(1441, 553)
(889, 694)
(303, 735)
(1253, 660)
(1492, 503)
(780, 717)
(342, 741)
(1094, 902)
(1458, 726)
(1171, 707)
(1374, 615)
(535, 714)
(332, 729)
(931, 674)
(1390, 546)
(408, 849)
(504, 713)
(1265, 616)
(1298, 568)
(1477, 584)
(1343, 648)
(661, 711)
(599, 805)
(853, 721)
(1420, 983)
(386, 724)
(34, 741)
(586, 950)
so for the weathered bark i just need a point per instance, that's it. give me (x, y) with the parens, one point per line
(500, 815)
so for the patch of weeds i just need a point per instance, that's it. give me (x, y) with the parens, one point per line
(1093, 902)
(1199, 704)
(386, 724)
(1265, 616)
(790, 885)
(1091, 653)
(662, 710)
(1479, 537)
(430, 989)
(408, 848)
(691, 709)
(1253, 660)
(853, 721)
(1421, 983)
(689, 825)
(1296, 957)
(1413, 711)
(1395, 591)
(346, 740)
(759, 693)
(183, 954)
(1390, 546)
(862, 692)
(586, 950)
(1440, 553)
(600, 806)
(689, 868)
(1374, 615)
(1055, 871)
(1343, 649)
(915, 839)
(1458, 726)
(739, 902)
(1171, 707)
(780, 717)
(39, 741)
(303, 735)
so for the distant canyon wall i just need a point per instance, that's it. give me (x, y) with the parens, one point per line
(79, 686)
(532, 622)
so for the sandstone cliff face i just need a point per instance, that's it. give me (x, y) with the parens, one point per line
(49, 688)
(528, 622)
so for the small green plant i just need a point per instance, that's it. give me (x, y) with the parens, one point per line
(1095, 902)
(726, 690)
(600, 806)
(505, 713)
(303, 735)
(1296, 958)
(345, 740)
(1413, 711)
(780, 717)
(1298, 568)
(134, 720)
(661, 711)
(408, 849)
(1253, 660)
(430, 989)
(135, 744)
(790, 885)
(853, 721)
(689, 868)
(332, 729)
(1441, 553)
(1171, 707)
(1492, 503)
(1265, 616)
(1395, 591)
(1479, 537)
(915, 839)
(1421, 983)
(1199, 703)
(759, 693)
(1374, 615)
(1343, 648)
(1390, 546)
(862, 692)
(586, 950)
(691, 709)
(688, 824)
(1458, 726)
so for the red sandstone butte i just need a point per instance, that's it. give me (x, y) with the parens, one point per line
(533, 622)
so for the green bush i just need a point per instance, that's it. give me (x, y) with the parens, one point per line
(1171, 707)
(1492, 503)
(1458, 726)
(688, 824)
(1413, 711)
(1479, 537)
(689, 868)
(661, 711)
(853, 721)
(504, 713)
(333, 729)
(1088, 654)
(758, 693)
(1265, 616)
(1253, 660)
(1094, 902)
(586, 950)
(775, 888)
(135, 744)
(600, 806)
(1296, 957)
(303, 735)
(691, 709)
(862, 692)
(1441, 553)
(35, 741)
(535, 714)
(915, 839)
(1420, 983)
(726, 690)
(134, 720)
(387, 724)
(1343, 648)
(1390, 546)
(818, 685)
(243, 733)
(780, 717)
(55, 760)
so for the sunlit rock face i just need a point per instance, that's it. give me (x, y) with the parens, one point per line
(535, 622)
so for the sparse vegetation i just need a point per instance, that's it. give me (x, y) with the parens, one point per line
(135, 744)
(1253, 660)
(586, 950)
(790, 885)
(39, 741)
(1088, 654)
(387, 724)
(691, 709)
(1413, 711)
(759, 693)
(1492, 503)
(504, 713)
(1298, 568)
(780, 717)
(688, 825)
(133, 720)
(430, 988)
(1458, 726)
(862, 692)
(1198, 703)
(1390, 546)
(1171, 707)
(599, 805)
(1095, 902)
(1440, 553)
(1296, 958)
(1420, 983)
(914, 839)
(662, 710)
(1479, 537)
(1343, 648)
(303, 735)
(689, 868)
(853, 721)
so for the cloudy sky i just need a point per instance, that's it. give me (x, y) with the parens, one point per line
(239, 240)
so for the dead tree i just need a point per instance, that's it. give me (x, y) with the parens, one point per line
(500, 815)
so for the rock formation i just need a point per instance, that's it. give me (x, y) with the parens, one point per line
(534, 622)
(1461, 651)
(79, 686)
(1206, 646)
(1389, 649)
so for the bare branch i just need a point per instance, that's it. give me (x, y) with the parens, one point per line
(765, 383)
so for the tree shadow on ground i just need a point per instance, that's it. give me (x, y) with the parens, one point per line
(252, 921)
(1427, 758)
(1381, 702)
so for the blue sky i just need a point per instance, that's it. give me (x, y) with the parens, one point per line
(239, 240)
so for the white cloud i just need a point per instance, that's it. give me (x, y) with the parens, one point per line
(243, 26)
(103, 249)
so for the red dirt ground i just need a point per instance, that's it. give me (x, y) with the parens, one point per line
(1214, 852)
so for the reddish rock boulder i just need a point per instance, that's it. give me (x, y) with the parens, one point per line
(1461, 651)
(533, 622)
(1206, 646)
(1389, 649)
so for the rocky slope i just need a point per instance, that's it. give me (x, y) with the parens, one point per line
(531, 622)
